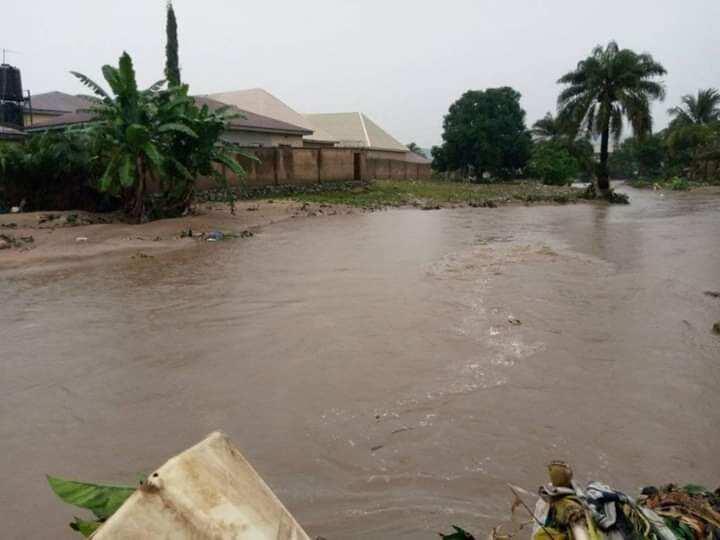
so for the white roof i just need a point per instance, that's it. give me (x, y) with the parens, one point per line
(259, 101)
(355, 129)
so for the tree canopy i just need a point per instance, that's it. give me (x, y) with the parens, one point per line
(701, 109)
(172, 60)
(484, 132)
(608, 85)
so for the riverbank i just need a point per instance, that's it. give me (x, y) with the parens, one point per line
(50, 240)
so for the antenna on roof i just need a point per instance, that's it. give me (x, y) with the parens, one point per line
(5, 51)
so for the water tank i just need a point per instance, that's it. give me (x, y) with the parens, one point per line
(10, 83)
(11, 114)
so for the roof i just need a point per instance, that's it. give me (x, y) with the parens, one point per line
(61, 121)
(248, 122)
(413, 157)
(59, 102)
(356, 130)
(10, 133)
(262, 102)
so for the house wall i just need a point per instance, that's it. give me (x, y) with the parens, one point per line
(37, 118)
(252, 138)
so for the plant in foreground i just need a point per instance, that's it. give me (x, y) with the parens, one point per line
(102, 501)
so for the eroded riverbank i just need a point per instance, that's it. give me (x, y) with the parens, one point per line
(366, 366)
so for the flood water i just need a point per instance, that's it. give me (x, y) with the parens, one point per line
(366, 366)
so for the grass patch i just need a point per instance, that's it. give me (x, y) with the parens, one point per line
(429, 194)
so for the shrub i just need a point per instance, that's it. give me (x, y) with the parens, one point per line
(50, 171)
(552, 163)
(679, 184)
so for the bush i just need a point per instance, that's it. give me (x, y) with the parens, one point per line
(51, 171)
(679, 184)
(552, 163)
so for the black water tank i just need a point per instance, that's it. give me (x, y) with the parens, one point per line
(10, 83)
(11, 114)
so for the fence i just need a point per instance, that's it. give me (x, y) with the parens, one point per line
(302, 166)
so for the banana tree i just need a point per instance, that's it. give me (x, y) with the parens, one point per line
(157, 136)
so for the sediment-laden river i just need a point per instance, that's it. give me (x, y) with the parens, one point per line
(367, 367)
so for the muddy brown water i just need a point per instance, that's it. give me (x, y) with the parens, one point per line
(366, 366)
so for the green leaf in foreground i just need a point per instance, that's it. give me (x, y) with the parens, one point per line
(86, 528)
(102, 501)
(459, 534)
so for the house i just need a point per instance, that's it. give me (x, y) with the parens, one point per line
(43, 107)
(262, 102)
(356, 130)
(8, 133)
(247, 129)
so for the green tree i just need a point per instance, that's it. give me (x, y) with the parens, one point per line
(172, 61)
(552, 163)
(439, 161)
(559, 130)
(645, 157)
(154, 136)
(415, 149)
(485, 132)
(608, 85)
(701, 109)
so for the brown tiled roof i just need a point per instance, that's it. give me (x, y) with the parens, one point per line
(248, 122)
(59, 102)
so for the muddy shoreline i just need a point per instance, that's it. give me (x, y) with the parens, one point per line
(63, 239)
(71, 238)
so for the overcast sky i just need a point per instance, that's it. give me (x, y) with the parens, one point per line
(401, 62)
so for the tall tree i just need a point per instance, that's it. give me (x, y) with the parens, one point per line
(172, 62)
(548, 128)
(415, 149)
(608, 85)
(701, 109)
(485, 131)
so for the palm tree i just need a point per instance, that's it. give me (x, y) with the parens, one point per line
(608, 85)
(548, 128)
(703, 109)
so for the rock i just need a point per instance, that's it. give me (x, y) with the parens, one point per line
(513, 320)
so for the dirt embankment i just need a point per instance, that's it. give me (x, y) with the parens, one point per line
(47, 240)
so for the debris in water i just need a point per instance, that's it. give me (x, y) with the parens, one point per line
(215, 236)
(514, 320)
(713, 294)
(716, 328)
(81, 239)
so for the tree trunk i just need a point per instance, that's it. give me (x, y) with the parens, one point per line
(603, 173)
(139, 206)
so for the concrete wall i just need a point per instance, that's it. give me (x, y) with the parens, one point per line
(706, 170)
(392, 169)
(302, 166)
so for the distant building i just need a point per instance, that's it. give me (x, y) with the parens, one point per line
(43, 107)
(248, 129)
(262, 102)
(8, 133)
(356, 130)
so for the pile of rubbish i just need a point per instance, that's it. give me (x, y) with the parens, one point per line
(565, 511)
